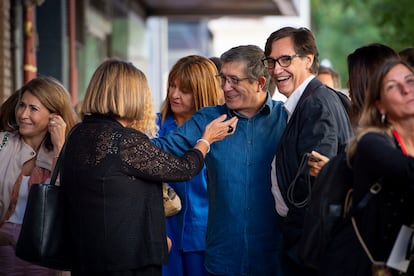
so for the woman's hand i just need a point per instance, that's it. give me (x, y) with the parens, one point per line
(218, 129)
(215, 131)
(57, 130)
(316, 162)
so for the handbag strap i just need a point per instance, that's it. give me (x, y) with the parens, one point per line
(60, 157)
(374, 190)
(364, 246)
(290, 192)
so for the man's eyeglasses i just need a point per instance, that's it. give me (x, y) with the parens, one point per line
(284, 61)
(233, 80)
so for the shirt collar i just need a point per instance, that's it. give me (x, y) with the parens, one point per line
(293, 99)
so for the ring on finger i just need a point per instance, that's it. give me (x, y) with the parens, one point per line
(230, 129)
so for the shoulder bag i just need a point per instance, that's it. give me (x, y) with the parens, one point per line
(44, 238)
(172, 202)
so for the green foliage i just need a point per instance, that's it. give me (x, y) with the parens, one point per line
(342, 26)
(395, 20)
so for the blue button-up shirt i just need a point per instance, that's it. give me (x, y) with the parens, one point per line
(242, 231)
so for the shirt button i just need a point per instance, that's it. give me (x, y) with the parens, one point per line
(33, 153)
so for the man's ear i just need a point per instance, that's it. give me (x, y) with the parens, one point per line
(309, 61)
(262, 82)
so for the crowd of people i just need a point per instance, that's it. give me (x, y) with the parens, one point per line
(237, 159)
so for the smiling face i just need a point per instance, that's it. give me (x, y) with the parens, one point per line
(32, 117)
(287, 79)
(397, 94)
(245, 96)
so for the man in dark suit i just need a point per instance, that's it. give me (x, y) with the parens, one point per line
(317, 120)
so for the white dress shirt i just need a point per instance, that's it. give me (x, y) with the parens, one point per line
(281, 207)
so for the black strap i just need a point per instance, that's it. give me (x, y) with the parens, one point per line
(290, 191)
(351, 209)
(59, 160)
(374, 190)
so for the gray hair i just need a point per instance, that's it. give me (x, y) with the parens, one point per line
(251, 56)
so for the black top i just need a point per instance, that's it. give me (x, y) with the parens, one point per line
(377, 158)
(111, 177)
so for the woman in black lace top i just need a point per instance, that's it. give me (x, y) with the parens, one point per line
(112, 176)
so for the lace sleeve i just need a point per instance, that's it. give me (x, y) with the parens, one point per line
(137, 151)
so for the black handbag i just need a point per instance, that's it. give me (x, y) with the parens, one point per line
(45, 238)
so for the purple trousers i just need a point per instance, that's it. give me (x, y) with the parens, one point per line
(10, 265)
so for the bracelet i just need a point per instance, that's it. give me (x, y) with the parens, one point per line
(205, 142)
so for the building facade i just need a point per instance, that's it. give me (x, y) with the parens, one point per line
(68, 39)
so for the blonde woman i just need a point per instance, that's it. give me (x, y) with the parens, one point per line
(112, 176)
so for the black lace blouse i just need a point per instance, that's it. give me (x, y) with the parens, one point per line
(111, 177)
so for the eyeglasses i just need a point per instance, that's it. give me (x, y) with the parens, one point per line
(233, 80)
(283, 61)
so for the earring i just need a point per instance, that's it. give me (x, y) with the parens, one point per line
(383, 117)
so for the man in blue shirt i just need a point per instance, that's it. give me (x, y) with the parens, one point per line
(243, 237)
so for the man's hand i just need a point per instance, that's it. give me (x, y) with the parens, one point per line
(316, 162)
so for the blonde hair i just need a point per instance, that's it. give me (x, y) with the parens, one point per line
(196, 74)
(54, 96)
(119, 89)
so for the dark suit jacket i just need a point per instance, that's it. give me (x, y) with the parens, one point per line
(319, 122)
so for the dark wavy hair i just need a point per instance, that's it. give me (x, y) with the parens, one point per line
(362, 65)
